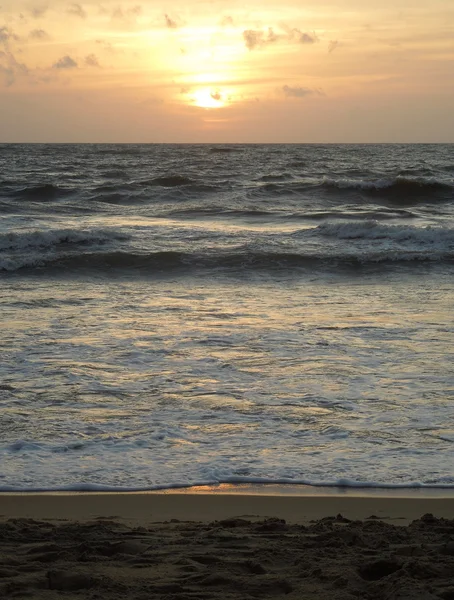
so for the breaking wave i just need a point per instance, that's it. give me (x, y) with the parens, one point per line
(185, 262)
(59, 237)
(404, 188)
(372, 230)
(396, 190)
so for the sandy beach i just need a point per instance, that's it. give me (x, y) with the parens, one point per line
(227, 545)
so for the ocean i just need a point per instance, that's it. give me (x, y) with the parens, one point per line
(178, 315)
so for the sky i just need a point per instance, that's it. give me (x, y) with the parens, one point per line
(221, 71)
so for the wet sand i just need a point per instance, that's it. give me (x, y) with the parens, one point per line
(226, 545)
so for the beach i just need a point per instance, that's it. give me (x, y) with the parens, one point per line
(226, 371)
(222, 544)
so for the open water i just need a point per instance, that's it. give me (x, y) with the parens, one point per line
(174, 315)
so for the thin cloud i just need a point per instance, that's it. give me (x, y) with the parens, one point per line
(302, 37)
(76, 10)
(307, 38)
(7, 73)
(227, 21)
(126, 15)
(39, 35)
(297, 91)
(66, 62)
(10, 68)
(38, 11)
(170, 23)
(91, 60)
(6, 35)
(255, 38)
(107, 46)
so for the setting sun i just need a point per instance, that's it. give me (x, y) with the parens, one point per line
(209, 98)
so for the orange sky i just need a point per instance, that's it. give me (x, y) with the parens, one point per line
(225, 71)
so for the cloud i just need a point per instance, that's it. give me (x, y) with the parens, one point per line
(38, 11)
(170, 23)
(107, 46)
(39, 34)
(6, 35)
(127, 15)
(302, 37)
(92, 60)
(10, 68)
(226, 21)
(307, 38)
(77, 11)
(8, 74)
(254, 38)
(333, 45)
(297, 91)
(66, 62)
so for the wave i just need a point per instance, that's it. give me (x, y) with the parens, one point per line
(359, 215)
(397, 191)
(222, 212)
(403, 188)
(171, 181)
(276, 177)
(435, 237)
(224, 150)
(284, 213)
(118, 150)
(237, 261)
(57, 237)
(41, 193)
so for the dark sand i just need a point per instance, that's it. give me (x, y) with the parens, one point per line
(237, 557)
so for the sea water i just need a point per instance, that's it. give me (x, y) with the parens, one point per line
(177, 315)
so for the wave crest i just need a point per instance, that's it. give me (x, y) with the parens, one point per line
(41, 193)
(372, 230)
(403, 188)
(244, 260)
(57, 237)
(172, 181)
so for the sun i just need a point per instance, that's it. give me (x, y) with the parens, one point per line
(209, 98)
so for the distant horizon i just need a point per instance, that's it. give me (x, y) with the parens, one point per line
(226, 143)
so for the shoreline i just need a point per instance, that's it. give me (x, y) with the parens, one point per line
(203, 504)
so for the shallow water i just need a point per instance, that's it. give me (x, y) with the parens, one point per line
(184, 315)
